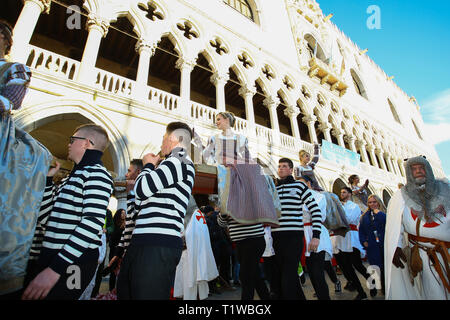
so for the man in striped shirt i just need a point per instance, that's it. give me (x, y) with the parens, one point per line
(288, 238)
(162, 194)
(71, 220)
(134, 170)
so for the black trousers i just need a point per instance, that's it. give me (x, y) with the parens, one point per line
(249, 252)
(357, 263)
(316, 270)
(330, 271)
(71, 283)
(288, 248)
(344, 260)
(147, 272)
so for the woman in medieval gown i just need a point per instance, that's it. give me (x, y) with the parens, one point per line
(359, 193)
(245, 193)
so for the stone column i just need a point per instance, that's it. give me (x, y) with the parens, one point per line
(379, 154)
(362, 149)
(351, 141)
(24, 28)
(146, 50)
(310, 120)
(325, 128)
(97, 28)
(388, 162)
(401, 167)
(371, 150)
(292, 112)
(247, 92)
(339, 136)
(272, 103)
(120, 193)
(219, 80)
(185, 66)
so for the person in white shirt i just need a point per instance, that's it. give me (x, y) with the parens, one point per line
(315, 260)
(343, 245)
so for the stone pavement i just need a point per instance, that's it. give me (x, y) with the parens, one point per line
(235, 293)
(308, 290)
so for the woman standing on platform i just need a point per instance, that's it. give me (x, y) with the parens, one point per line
(306, 167)
(359, 193)
(245, 201)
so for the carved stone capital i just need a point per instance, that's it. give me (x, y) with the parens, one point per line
(219, 78)
(146, 45)
(292, 112)
(337, 132)
(43, 4)
(185, 64)
(247, 90)
(360, 143)
(309, 119)
(95, 21)
(271, 102)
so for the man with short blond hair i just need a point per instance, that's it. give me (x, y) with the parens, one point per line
(70, 222)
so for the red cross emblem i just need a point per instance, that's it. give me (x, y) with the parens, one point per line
(200, 216)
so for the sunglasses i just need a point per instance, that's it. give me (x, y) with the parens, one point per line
(73, 138)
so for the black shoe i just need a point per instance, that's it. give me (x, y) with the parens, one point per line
(373, 292)
(303, 279)
(337, 286)
(361, 296)
(350, 287)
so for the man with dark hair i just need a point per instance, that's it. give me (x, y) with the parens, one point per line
(72, 217)
(288, 238)
(162, 195)
(135, 168)
(343, 246)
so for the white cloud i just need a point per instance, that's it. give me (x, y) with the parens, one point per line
(437, 108)
(437, 133)
(436, 117)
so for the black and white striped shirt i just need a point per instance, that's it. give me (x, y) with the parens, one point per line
(162, 196)
(73, 213)
(293, 195)
(240, 231)
(130, 222)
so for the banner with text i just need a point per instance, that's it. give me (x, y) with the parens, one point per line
(338, 154)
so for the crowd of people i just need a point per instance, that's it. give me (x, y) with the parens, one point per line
(258, 235)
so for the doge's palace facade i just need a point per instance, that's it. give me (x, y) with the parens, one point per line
(288, 73)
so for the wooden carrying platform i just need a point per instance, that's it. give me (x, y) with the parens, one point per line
(205, 179)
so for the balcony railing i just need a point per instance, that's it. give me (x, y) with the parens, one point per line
(326, 75)
(50, 63)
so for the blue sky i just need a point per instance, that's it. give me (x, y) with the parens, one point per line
(413, 45)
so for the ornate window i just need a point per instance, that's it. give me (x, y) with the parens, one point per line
(358, 84)
(417, 130)
(394, 112)
(242, 6)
